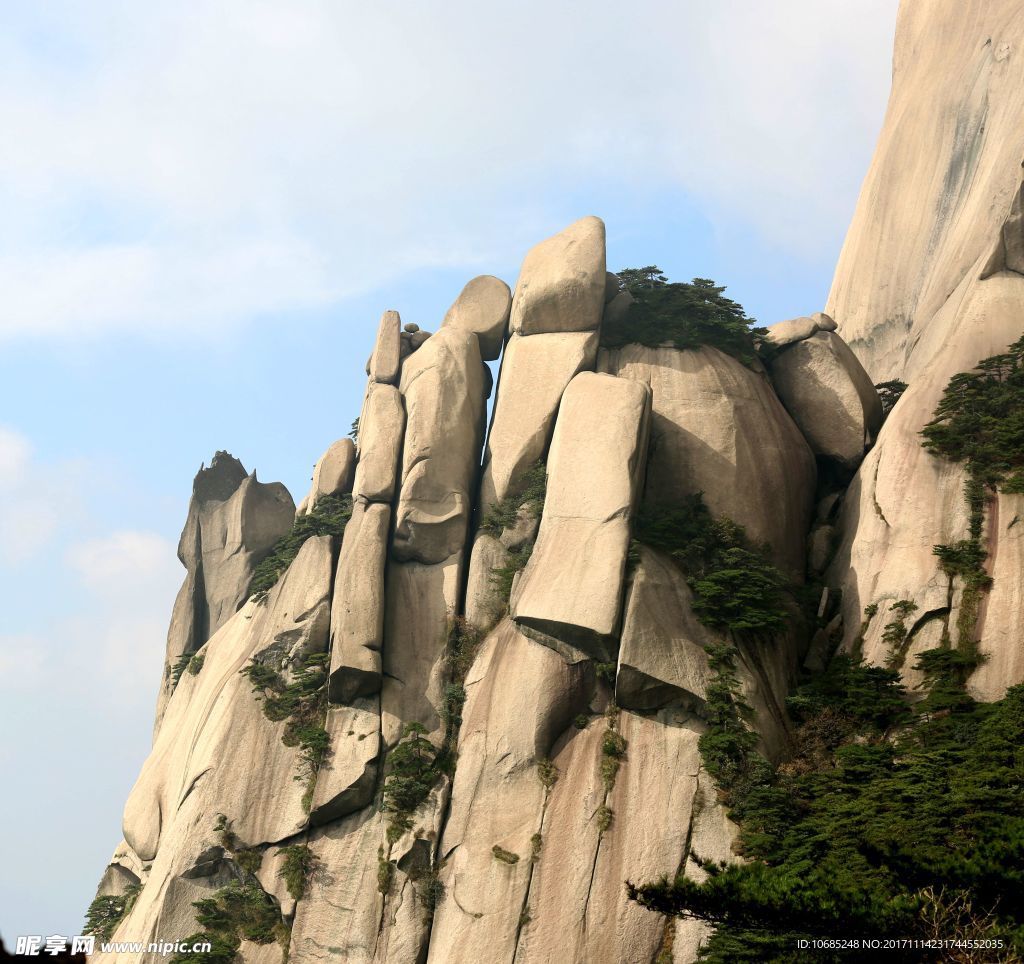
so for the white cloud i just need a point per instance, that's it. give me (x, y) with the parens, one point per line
(15, 454)
(117, 563)
(179, 167)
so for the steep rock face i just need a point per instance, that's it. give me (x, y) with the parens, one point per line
(571, 590)
(903, 500)
(233, 523)
(916, 298)
(942, 180)
(718, 428)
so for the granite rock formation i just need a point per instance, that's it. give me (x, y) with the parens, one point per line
(476, 712)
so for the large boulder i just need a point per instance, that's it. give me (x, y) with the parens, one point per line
(943, 176)
(562, 282)
(357, 608)
(333, 474)
(483, 308)
(829, 395)
(534, 373)
(442, 385)
(381, 426)
(233, 522)
(718, 428)
(792, 331)
(571, 589)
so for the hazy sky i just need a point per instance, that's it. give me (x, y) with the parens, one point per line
(206, 206)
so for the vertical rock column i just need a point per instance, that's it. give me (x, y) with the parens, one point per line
(357, 610)
(555, 321)
(443, 389)
(571, 590)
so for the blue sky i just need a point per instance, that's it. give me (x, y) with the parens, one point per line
(206, 206)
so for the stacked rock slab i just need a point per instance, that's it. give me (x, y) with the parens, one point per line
(555, 320)
(570, 593)
(925, 288)
(444, 394)
(233, 522)
(357, 608)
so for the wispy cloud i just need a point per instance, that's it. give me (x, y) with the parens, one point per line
(175, 168)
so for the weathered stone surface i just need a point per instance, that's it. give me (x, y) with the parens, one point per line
(561, 284)
(483, 307)
(718, 428)
(820, 546)
(482, 603)
(213, 713)
(386, 358)
(661, 654)
(534, 373)
(945, 170)
(520, 697)
(233, 522)
(790, 332)
(442, 385)
(617, 309)
(347, 779)
(612, 286)
(381, 427)
(333, 473)
(830, 396)
(357, 607)
(219, 754)
(823, 321)
(418, 339)
(903, 500)
(577, 904)
(420, 603)
(571, 589)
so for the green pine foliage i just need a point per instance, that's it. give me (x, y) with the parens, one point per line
(884, 822)
(980, 421)
(686, 314)
(235, 913)
(106, 912)
(411, 778)
(302, 706)
(734, 587)
(178, 669)
(296, 868)
(530, 493)
(889, 393)
(328, 518)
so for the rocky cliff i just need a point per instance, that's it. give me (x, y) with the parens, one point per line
(445, 710)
